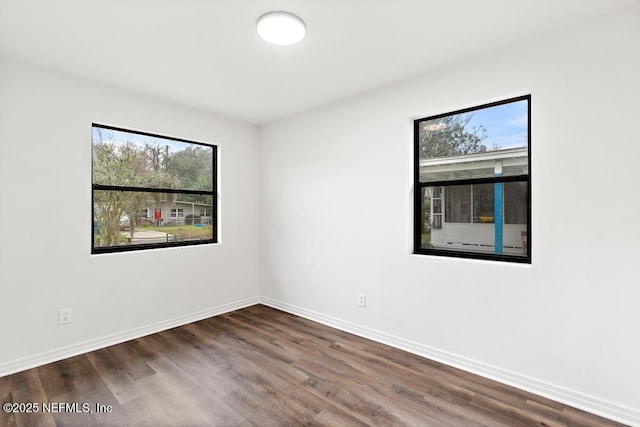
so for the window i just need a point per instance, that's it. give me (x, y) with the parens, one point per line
(177, 213)
(142, 184)
(472, 182)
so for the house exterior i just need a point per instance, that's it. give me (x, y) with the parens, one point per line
(473, 217)
(176, 213)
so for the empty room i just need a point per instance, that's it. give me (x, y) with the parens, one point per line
(270, 213)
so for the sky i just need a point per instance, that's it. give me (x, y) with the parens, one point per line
(506, 124)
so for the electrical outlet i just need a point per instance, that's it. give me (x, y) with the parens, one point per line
(362, 300)
(64, 316)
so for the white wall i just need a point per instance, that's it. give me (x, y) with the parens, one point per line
(45, 217)
(337, 196)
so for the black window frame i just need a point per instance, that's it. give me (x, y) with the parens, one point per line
(419, 185)
(168, 244)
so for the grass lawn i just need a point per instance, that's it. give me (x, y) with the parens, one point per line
(182, 231)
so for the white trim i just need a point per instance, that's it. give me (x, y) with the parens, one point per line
(507, 153)
(554, 392)
(109, 340)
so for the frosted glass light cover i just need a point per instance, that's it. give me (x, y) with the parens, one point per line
(281, 28)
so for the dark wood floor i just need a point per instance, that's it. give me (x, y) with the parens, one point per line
(262, 367)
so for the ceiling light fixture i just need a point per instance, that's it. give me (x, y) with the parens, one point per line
(282, 28)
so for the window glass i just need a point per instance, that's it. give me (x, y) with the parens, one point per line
(177, 213)
(149, 190)
(475, 144)
(472, 182)
(483, 203)
(457, 233)
(131, 159)
(119, 220)
(458, 203)
(515, 202)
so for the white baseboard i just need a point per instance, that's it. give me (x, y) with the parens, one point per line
(95, 344)
(560, 394)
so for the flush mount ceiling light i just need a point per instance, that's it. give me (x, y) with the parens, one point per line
(282, 28)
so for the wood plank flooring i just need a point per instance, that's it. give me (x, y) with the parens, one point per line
(262, 367)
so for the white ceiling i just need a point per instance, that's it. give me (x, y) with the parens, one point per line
(206, 54)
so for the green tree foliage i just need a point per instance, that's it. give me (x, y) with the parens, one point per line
(449, 136)
(114, 164)
(194, 167)
(156, 175)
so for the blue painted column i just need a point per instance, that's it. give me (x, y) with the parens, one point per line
(498, 220)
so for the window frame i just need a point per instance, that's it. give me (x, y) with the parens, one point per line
(168, 244)
(419, 185)
(176, 213)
